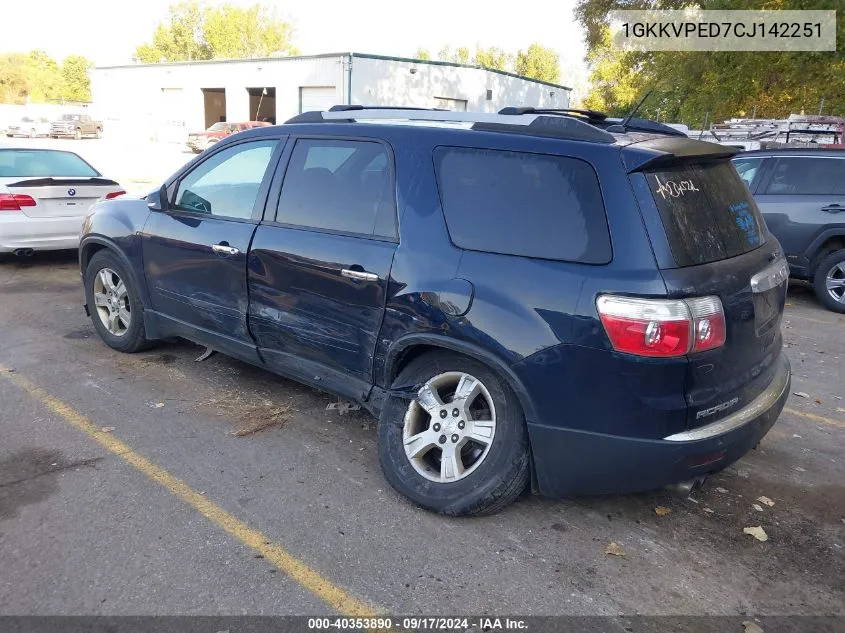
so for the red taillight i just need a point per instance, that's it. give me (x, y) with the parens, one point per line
(14, 201)
(115, 194)
(662, 327)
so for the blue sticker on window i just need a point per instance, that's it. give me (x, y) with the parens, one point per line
(744, 219)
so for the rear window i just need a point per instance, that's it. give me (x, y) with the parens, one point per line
(16, 163)
(516, 203)
(707, 212)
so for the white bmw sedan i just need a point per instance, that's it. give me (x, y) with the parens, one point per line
(44, 197)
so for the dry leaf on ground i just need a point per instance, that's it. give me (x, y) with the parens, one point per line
(613, 549)
(757, 532)
(752, 627)
(662, 511)
(757, 507)
(766, 501)
(107, 429)
(801, 394)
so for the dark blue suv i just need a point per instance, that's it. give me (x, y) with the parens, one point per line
(535, 298)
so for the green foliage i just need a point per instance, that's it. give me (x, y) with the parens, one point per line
(422, 53)
(36, 77)
(195, 31)
(538, 62)
(723, 84)
(77, 85)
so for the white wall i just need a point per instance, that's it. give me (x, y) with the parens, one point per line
(140, 100)
(382, 82)
(165, 101)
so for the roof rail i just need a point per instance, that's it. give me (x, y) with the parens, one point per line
(352, 107)
(589, 114)
(535, 124)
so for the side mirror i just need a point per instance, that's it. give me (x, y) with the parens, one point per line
(157, 200)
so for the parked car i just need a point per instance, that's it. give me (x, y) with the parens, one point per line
(801, 193)
(30, 126)
(200, 141)
(524, 297)
(44, 196)
(76, 126)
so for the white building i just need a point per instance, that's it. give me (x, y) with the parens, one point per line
(170, 98)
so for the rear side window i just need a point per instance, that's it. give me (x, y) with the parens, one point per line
(516, 203)
(747, 168)
(707, 212)
(806, 176)
(339, 185)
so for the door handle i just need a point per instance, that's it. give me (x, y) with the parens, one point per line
(833, 208)
(224, 249)
(360, 275)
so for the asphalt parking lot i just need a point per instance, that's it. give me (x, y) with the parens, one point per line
(154, 484)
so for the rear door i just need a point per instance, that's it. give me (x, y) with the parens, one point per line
(195, 253)
(800, 196)
(320, 263)
(721, 247)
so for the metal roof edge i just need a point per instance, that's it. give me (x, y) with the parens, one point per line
(430, 62)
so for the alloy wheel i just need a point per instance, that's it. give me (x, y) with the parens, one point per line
(111, 300)
(835, 282)
(449, 428)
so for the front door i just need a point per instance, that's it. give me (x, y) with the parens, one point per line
(319, 268)
(195, 253)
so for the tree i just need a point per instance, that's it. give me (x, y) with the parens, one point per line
(14, 85)
(77, 85)
(722, 84)
(493, 57)
(233, 32)
(538, 62)
(196, 32)
(422, 53)
(457, 56)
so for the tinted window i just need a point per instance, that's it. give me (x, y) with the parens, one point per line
(747, 168)
(227, 183)
(805, 176)
(517, 203)
(707, 212)
(339, 186)
(16, 163)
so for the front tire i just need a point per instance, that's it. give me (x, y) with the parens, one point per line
(829, 281)
(114, 304)
(77, 135)
(461, 446)
(98, 133)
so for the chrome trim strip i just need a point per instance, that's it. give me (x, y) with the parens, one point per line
(758, 406)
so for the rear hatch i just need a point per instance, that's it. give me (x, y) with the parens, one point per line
(718, 245)
(61, 197)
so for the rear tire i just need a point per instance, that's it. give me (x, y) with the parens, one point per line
(829, 281)
(32, 133)
(113, 300)
(491, 474)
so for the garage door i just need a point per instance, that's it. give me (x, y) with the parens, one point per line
(317, 98)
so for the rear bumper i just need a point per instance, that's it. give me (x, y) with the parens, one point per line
(20, 231)
(569, 462)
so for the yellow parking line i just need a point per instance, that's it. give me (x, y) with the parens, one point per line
(816, 418)
(308, 578)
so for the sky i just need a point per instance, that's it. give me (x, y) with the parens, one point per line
(107, 31)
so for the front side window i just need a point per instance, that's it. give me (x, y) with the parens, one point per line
(516, 203)
(800, 175)
(227, 183)
(338, 185)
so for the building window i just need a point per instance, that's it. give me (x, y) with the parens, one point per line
(445, 103)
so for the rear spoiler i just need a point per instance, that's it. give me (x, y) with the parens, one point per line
(671, 150)
(62, 182)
